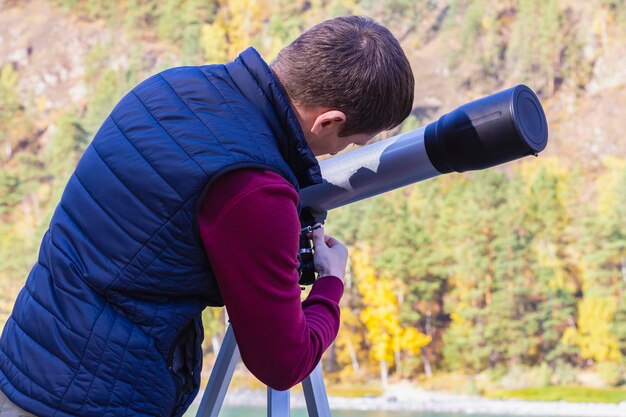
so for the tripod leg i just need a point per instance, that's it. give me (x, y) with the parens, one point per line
(315, 394)
(277, 403)
(221, 376)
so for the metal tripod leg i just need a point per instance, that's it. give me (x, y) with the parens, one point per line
(315, 394)
(277, 401)
(220, 378)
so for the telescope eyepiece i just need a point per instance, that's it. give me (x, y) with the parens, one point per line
(490, 131)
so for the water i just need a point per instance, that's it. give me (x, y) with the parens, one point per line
(297, 412)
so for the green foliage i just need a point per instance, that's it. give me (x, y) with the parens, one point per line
(409, 124)
(63, 151)
(492, 250)
(479, 43)
(612, 373)
(405, 16)
(108, 78)
(617, 9)
(519, 377)
(519, 269)
(570, 394)
(564, 374)
(536, 42)
(67, 144)
(14, 121)
(354, 391)
(181, 24)
(174, 21)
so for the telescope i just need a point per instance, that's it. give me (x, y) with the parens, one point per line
(481, 134)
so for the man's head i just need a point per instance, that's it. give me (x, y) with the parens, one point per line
(348, 80)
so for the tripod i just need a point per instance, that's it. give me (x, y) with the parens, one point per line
(277, 401)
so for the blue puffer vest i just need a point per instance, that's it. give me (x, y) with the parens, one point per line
(108, 323)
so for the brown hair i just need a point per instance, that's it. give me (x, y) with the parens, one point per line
(351, 64)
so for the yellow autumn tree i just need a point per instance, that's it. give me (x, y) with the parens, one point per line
(608, 198)
(214, 329)
(592, 334)
(349, 354)
(238, 24)
(385, 335)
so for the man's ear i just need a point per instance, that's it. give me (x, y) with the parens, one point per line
(331, 121)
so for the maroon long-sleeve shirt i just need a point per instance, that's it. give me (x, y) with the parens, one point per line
(250, 228)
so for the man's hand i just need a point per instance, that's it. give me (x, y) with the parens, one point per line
(331, 256)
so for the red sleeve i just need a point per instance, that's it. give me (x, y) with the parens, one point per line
(250, 228)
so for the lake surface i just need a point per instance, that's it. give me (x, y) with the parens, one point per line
(298, 412)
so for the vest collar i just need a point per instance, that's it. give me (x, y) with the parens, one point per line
(259, 85)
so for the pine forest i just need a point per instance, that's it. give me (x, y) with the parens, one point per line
(516, 274)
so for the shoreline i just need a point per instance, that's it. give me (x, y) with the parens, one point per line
(410, 399)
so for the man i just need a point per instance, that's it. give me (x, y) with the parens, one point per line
(187, 198)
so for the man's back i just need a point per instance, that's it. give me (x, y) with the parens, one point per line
(108, 322)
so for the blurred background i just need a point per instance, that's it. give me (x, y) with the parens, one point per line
(504, 283)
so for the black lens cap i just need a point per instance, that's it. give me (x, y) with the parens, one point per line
(499, 128)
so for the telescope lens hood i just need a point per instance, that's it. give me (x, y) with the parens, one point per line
(490, 131)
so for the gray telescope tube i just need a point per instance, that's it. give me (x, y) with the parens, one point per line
(490, 131)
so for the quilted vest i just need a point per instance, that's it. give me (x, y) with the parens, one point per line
(108, 323)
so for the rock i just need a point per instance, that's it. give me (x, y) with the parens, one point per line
(18, 56)
(609, 71)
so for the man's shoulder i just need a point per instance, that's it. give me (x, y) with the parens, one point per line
(182, 73)
(247, 190)
(247, 180)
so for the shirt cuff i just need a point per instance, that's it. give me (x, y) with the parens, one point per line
(329, 286)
